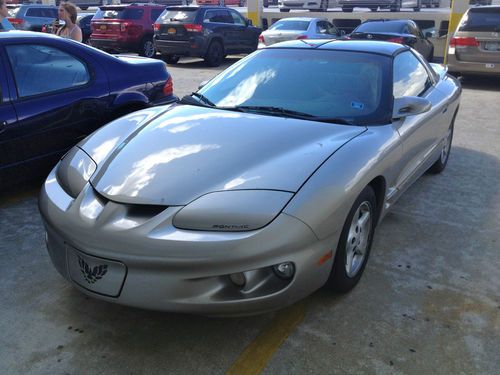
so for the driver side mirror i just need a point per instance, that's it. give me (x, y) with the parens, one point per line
(202, 84)
(409, 106)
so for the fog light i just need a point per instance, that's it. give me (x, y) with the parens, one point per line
(238, 279)
(284, 270)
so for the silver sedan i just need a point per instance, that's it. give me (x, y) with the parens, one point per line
(258, 189)
(298, 28)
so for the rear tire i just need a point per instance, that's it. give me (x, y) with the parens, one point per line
(215, 54)
(170, 59)
(147, 48)
(284, 10)
(354, 243)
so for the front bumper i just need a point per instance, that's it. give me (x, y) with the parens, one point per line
(165, 268)
(457, 66)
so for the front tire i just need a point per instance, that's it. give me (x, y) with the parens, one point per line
(440, 164)
(284, 9)
(147, 48)
(354, 243)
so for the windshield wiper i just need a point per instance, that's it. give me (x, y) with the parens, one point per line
(203, 98)
(335, 120)
(204, 101)
(272, 110)
(289, 113)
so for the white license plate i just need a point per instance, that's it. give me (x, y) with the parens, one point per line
(492, 46)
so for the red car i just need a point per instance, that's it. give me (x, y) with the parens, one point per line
(125, 28)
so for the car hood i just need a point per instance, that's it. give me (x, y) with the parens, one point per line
(189, 151)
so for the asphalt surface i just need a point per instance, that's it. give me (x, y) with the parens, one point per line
(428, 303)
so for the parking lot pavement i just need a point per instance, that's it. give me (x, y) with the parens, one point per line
(429, 302)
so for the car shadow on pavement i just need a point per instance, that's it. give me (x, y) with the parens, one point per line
(488, 83)
(197, 64)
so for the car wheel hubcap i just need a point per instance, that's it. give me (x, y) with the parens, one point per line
(446, 147)
(357, 239)
(149, 49)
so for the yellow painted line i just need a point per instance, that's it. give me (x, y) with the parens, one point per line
(259, 352)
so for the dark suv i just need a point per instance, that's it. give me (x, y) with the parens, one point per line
(125, 28)
(206, 31)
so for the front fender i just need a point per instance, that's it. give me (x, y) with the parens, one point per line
(325, 199)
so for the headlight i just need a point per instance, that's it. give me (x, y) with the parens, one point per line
(232, 211)
(74, 171)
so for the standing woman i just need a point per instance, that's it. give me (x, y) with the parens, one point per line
(4, 13)
(67, 13)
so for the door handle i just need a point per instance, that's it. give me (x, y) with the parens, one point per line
(3, 126)
(445, 109)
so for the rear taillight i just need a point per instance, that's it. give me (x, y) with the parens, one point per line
(302, 37)
(261, 38)
(16, 21)
(168, 89)
(193, 27)
(464, 42)
(124, 25)
(396, 40)
(156, 26)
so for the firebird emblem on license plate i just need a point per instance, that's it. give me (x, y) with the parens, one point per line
(92, 274)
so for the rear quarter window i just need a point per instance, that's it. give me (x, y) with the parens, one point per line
(481, 19)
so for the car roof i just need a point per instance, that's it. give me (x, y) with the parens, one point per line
(384, 20)
(367, 46)
(121, 6)
(299, 19)
(12, 34)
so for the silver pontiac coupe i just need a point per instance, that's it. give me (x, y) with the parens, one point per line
(256, 190)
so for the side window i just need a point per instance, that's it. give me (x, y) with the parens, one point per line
(210, 16)
(321, 27)
(332, 30)
(41, 69)
(34, 12)
(410, 78)
(155, 13)
(237, 19)
(218, 16)
(226, 17)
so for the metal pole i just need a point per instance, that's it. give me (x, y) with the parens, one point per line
(254, 11)
(458, 8)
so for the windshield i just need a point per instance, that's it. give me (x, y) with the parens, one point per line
(380, 27)
(320, 83)
(481, 19)
(290, 25)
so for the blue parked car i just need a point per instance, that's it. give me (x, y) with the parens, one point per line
(54, 92)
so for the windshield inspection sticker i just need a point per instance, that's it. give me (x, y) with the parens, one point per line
(357, 105)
